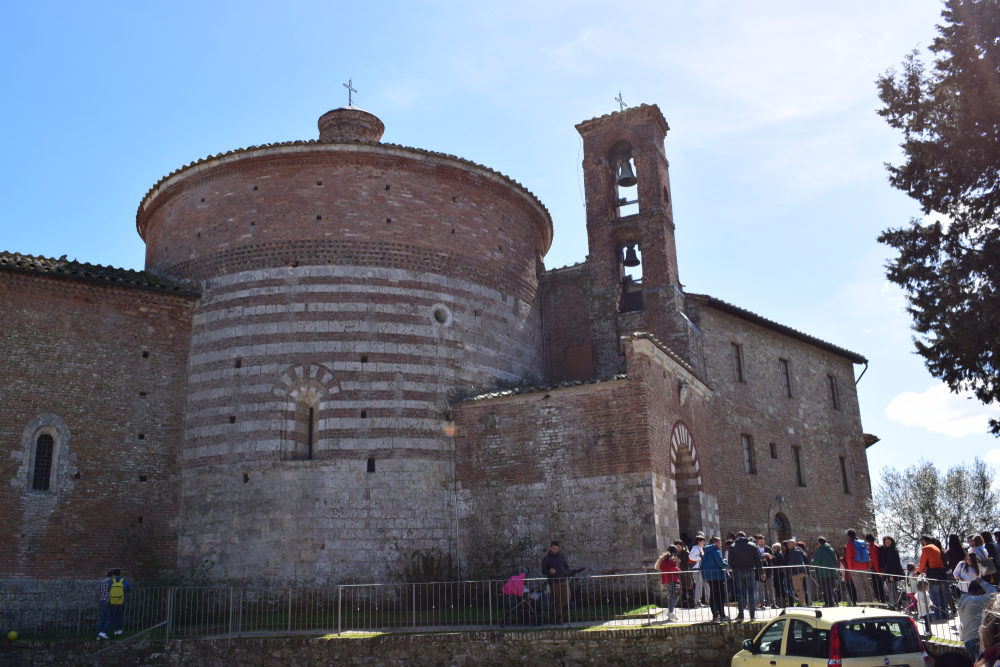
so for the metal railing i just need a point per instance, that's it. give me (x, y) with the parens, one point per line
(615, 600)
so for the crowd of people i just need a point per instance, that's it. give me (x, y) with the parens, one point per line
(943, 583)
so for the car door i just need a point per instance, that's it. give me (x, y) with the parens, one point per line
(805, 645)
(766, 649)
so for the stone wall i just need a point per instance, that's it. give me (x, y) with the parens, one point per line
(679, 646)
(807, 419)
(592, 465)
(682, 646)
(100, 368)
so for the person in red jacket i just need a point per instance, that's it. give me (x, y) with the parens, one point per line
(670, 580)
(858, 559)
(876, 568)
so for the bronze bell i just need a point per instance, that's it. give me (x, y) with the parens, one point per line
(630, 257)
(626, 178)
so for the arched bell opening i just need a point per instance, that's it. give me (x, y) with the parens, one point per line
(626, 191)
(687, 478)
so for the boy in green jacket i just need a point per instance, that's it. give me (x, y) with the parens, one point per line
(825, 562)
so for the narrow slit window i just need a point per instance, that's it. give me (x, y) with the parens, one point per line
(371, 464)
(786, 378)
(844, 477)
(43, 462)
(749, 459)
(774, 450)
(834, 401)
(800, 480)
(737, 362)
(309, 434)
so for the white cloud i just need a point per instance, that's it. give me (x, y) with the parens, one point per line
(993, 456)
(941, 411)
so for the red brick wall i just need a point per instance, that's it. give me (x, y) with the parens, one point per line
(589, 465)
(73, 350)
(376, 206)
(758, 408)
(565, 319)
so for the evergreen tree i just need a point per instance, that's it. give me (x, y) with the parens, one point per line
(950, 118)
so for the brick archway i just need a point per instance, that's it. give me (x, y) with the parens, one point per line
(686, 472)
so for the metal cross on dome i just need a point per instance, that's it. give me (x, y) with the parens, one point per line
(352, 90)
(619, 100)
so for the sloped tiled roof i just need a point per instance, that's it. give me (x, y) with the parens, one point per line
(626, 110)
(240, 153)
(749, 316)
(667, 351)
(74, 270)
(535, 389)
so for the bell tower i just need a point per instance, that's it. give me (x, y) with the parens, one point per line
(632, 259)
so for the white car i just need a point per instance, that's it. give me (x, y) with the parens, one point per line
(848, 636)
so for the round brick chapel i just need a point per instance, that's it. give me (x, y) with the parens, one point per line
(351, 290)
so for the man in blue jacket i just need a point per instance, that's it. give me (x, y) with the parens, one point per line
(713, 571)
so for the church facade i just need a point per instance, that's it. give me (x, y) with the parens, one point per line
(344, 352)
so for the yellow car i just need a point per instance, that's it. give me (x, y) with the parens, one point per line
(847, 636)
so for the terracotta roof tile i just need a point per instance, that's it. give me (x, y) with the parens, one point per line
(74, 270)
(742, 313)
(535, 389)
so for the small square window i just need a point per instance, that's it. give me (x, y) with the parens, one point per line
(145, 354)
(142, 478)
(238, 363)
(142, 394)
(371, 464)
(232, 419)
(142, 436)
(364, 358)
(364, 414)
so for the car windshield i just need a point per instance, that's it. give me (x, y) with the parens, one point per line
(877, 636)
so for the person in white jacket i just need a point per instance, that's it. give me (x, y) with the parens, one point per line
(695, 558)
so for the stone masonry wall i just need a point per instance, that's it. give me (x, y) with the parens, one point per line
(757, 407)
(589, 465)
(678, 646)
(101, 369)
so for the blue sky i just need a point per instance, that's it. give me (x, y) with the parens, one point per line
(776, 151)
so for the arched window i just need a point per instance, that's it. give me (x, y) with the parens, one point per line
(305, 428)
(43, 462)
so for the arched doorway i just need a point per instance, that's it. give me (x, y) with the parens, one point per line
(782, 529)
(687, 477)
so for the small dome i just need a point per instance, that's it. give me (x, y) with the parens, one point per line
(350, 124)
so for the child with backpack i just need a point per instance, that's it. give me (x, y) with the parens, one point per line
(117, 597)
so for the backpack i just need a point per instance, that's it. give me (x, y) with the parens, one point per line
(986, 565)
(861, 554)
(116, 596)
